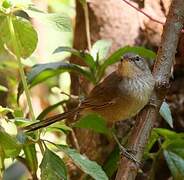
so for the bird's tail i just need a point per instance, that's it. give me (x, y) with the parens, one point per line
(50, 120)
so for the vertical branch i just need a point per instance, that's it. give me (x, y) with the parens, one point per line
(86, 16)
(162, 68)
(18, 57)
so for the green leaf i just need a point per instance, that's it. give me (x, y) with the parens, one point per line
(52, 167)
(175, 163)
(49, 109)
(9, 145)
(88, 166)
(60, 127)
(167, 134)
(41, 72)
(57, 21)
(152, 139)
(100, 49)
(111, 165)
(25, 34)
(176, 146)
(165, 112)
(31, 157)
(5, 110)
(116, 56)
(88, 59)
(94, 122)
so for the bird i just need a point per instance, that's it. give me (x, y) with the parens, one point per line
(120, 96)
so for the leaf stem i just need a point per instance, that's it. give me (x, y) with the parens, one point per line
(86, 16)
(18, 57)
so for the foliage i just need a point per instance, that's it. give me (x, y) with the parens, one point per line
(18, 42)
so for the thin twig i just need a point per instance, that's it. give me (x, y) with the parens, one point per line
(144, 13)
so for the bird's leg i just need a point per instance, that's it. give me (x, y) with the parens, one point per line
(125, 152)
(153, 102)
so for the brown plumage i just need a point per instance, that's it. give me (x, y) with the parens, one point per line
(119, 96)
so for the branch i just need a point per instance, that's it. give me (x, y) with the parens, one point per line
(161, 72)
(144, 13)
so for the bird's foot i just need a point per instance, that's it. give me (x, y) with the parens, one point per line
(129, 154)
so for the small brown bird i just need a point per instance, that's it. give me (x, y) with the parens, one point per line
(119, 96)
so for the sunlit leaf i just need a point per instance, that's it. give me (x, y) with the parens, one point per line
(167, 134)
(100, 49)
(88, 166)
(57, 21)
(26, 36)
(165, 112)
(52, 167)
(3, 88)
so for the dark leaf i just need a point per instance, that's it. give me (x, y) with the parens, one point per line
(111, 164)
(52, 167)
(9, 144)
(94, 122)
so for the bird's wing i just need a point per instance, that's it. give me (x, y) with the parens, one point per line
(104, 94)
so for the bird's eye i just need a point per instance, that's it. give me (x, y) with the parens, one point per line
(137, 58)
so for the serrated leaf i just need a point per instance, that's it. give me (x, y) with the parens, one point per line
(9, 145)
(86, 57)
(100, 49)
(59, 22)
(165, 112)
(52, 167)
(175, 163)
(25, 34)
(94, 122)
(88, 166)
